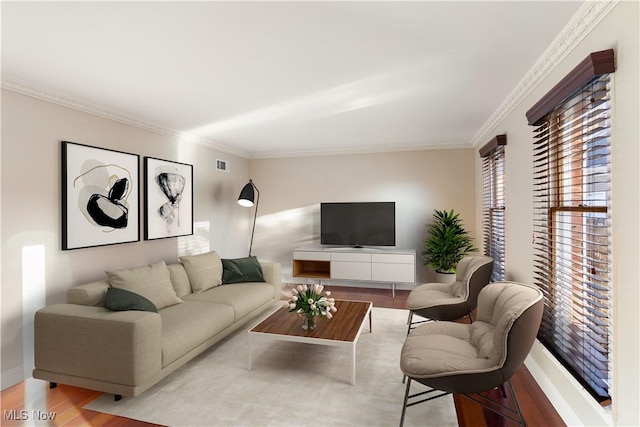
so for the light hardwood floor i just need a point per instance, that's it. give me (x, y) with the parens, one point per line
(66, 402)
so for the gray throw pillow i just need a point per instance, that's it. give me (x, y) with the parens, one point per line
(241, 270)
(122, 300)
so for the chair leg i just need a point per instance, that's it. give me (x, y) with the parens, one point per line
(517, 405)
(406, 398)
(409, 321)
(414, 397)
(509, 413)
(503, 391)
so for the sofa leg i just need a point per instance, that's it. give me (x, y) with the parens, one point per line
(53, 385)
(117, 397)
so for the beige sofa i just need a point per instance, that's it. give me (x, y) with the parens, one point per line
(85, 344)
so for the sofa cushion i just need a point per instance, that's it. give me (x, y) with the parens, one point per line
(179, 279)
(151, 281)
(241, 270)
(204, 270)
(185, 326)
(243, 297)
(122, 300)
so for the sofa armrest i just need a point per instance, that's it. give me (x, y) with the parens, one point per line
(93, 293)
(272, 275)
(122, 347)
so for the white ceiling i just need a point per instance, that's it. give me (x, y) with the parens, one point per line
(282, 78)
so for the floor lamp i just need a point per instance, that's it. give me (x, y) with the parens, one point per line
(248, 195)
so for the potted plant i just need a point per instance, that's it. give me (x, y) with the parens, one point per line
(448, 242)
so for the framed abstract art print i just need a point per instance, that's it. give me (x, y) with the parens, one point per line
(168, 203)
(100, 196)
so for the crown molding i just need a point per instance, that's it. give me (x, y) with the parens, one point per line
(585, 20)
(587, 17)
(101, 111)
(363, 150)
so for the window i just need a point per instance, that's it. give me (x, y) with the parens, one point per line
(493, 205)
(572, 226)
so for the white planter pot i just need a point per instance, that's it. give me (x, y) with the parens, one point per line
(445, 277)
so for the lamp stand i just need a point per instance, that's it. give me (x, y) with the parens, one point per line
(255, 216)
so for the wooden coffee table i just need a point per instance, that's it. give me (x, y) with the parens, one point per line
(343, 330)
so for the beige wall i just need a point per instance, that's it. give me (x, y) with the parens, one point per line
(291, 190)
(618, 30)
(31, 133)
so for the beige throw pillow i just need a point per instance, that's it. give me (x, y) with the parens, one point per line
(204, 270)
(151, 281)
(179, 279)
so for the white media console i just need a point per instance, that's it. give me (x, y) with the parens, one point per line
(358, 264)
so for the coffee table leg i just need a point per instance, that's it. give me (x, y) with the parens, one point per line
(250, 352)
(353, 364)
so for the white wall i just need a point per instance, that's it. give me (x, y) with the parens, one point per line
(31, 211)
(618, 30)
(291, 190)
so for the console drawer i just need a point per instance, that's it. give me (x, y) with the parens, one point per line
(396, 273)
(393, 258)
(350, 257)
(312, 256)
(350, 270)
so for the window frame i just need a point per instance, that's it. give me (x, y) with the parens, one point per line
(494, 204)
(572, 121)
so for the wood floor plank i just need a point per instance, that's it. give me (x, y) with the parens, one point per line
(13, 398)
(67, 401)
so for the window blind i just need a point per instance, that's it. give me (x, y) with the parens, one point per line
(493, 204)
(572, 233)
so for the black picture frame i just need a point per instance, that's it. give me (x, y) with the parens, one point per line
(100, 196)
(168, 202)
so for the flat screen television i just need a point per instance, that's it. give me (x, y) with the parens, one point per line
(358, 223)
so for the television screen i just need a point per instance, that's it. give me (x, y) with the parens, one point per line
(357, 224)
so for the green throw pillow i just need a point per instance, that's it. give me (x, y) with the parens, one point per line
(122, 300)
(241, 270)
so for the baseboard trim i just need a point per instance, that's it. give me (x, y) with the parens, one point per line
(12, 376)
(574, 405)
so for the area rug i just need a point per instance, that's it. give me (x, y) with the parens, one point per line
(290, 384)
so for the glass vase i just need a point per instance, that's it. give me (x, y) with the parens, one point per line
(309, 321)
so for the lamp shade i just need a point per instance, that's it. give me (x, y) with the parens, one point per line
(247, 195)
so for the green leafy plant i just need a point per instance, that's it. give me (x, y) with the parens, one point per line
(448, 242)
